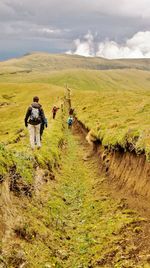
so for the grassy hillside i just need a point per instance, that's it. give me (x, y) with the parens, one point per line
(15, 149)
(50, 62)
(100, 80)
(71, 213)
(118, 119)
(114, 103)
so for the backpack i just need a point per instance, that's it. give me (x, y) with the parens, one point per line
(70, 121)
(35, 114)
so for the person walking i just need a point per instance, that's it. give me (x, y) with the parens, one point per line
(54, 111)
(70, 122)
(36, 116)
(71, 112)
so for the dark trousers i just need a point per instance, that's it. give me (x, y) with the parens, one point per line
(41, 130)
(54, 114)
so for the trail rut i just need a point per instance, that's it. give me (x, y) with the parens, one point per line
(74, 222)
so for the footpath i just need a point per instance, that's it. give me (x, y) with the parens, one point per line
(73, 222)
(95, 230)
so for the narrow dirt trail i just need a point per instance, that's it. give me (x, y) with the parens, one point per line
(73, 222)
(97, 231)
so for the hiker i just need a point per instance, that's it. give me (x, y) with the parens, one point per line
(70, 121)
(71, 111)
(36, 116)
(54, 111)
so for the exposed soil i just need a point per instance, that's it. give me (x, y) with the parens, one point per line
(17, 72)
(75, 220)
(128, 174)
(3, 104)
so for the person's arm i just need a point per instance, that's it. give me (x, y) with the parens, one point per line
(27, 116)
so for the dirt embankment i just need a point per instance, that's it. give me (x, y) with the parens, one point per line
(128, 174)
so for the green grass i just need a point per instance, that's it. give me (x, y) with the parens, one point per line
(15, 149)
(113, 103)
(73, 222)
(117, 118)
(50, 62)
(100, 80)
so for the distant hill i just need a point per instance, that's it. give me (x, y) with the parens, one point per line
(49, 62)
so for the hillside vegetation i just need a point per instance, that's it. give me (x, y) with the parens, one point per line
(113, 103)
(55, 209)
(50, 62)
(15, 150)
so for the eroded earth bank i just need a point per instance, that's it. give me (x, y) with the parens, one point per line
(73, 217)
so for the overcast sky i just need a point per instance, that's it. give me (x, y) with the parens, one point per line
(75, 26)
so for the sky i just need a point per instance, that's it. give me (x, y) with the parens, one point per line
(103, 28)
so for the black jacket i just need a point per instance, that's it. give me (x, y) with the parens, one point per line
(41, 118)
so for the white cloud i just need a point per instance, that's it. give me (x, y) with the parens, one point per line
(136, 47)
(48, 20)
(136, 8)
(45, 31)
(28, 30)
(49, 30)
(85, 48)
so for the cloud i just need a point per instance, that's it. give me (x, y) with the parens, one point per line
(49, 30)
(69, 20)
(45, 32)
(27, 30)
(136, 47)
(85, 48)
(136, 8)
(35, 10)
(54, 11)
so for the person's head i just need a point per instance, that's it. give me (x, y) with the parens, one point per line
(36, 99)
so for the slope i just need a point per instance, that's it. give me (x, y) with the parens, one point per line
(50, 62)
(74, 222)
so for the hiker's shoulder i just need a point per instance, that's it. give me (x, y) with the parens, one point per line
(36, 105)
(29, 107)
